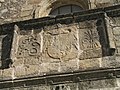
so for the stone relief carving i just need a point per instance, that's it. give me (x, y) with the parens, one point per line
(89, 40)
(29, 45)
(61, 43)
(64, 42)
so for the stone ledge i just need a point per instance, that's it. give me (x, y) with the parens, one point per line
(112, 11)
(63, 78)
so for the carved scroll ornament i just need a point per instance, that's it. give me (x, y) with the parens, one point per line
(28, 46)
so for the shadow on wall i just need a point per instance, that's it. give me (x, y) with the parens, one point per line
(5, 52)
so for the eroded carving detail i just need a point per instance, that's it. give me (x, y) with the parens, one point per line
(89, 41)
(29, 45)
(61, 43)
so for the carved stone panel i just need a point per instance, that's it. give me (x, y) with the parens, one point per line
(29, 45)
(29, 48)
(89, 40)
(60, 43)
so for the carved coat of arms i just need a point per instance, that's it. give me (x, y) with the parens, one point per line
(61, 43)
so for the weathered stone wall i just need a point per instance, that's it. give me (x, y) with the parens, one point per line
(18, 10)
(106, 84)
(60, 48)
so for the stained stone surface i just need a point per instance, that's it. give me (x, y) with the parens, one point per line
(59, 48)
(107, 84)
(29, 45)
(1, 38)
(17, 10)
(89, 64)
(60, 43)
(89, 40)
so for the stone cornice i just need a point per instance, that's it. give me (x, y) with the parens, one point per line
(61, 78)
(112, 11)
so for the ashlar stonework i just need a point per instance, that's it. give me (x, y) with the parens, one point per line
(78, 51)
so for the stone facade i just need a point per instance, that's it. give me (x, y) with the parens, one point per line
(79, 51)
(17, 10)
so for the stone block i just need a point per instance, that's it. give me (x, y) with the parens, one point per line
(117, 43)
(1, 74)
(92, 1)
(20, 71)
(14, 1)
(25, 13)
(18, 62)
(32, 70)
(93, 6)
(5, 89)
(91, 85)
(49, 68)
(117, 58)
(69, 86)
(32, 61)
(116, 38)
(106, 4)
(42, 87)
(7, 73)
(108, 62)
(88, 64)
(27, 17)
(114, 88)
(35, 88)
(116, 30)
(27, 8)
(103, 3)
(69, 66)
(2, 0)
(4, 11)
(8, 20)
(34, 1)
(19, 88)
(117, 21)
